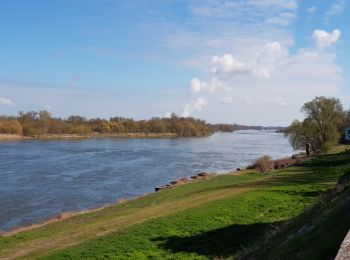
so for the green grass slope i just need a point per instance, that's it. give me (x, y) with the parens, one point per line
(279, 215)
(315, 234)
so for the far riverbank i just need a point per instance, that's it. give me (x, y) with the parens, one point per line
(10, 137)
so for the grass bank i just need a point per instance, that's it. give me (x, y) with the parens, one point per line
(285, 214)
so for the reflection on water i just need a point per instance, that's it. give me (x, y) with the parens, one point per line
(39, 179)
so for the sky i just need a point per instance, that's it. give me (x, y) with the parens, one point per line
(252, 62)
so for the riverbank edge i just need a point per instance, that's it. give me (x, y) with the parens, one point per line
(12, 137)
(69, 214)
(182, 181)
(243, 172)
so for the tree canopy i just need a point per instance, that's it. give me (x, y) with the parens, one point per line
(34, 123)
(322, 127)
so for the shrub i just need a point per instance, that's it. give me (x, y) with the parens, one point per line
(263, 163)
(10, 127)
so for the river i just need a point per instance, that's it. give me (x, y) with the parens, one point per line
(40, 179)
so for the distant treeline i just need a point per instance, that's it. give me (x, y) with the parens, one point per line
(233, 127)
(42, 123)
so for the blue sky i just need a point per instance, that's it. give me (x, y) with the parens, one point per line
(250, 62)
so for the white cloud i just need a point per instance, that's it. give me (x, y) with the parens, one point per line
(261, 65)
(312, 10)
(265, 62)
(324, 39)
(200, 103)
(6, 102)
(227, 100)
(291, 5)
(196, 106)
(228, 64)
(48, 107)
(336, 8)
(278, 81)
(209, 8)
(229, 27)
(197, 86)
(282, 19)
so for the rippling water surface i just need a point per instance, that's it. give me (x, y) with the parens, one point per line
(39, 179)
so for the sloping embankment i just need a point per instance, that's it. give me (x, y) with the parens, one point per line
(225, 216)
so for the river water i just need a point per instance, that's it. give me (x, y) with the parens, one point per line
(40, 179)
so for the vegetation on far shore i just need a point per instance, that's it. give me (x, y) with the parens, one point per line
(42, 123)
(278, 215)
(44, 126)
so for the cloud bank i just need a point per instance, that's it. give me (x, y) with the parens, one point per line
(272, 80)
(6, 102)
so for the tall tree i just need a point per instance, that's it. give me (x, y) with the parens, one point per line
(322, 126)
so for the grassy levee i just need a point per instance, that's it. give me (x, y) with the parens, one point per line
(315, 234)
(226, 216)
